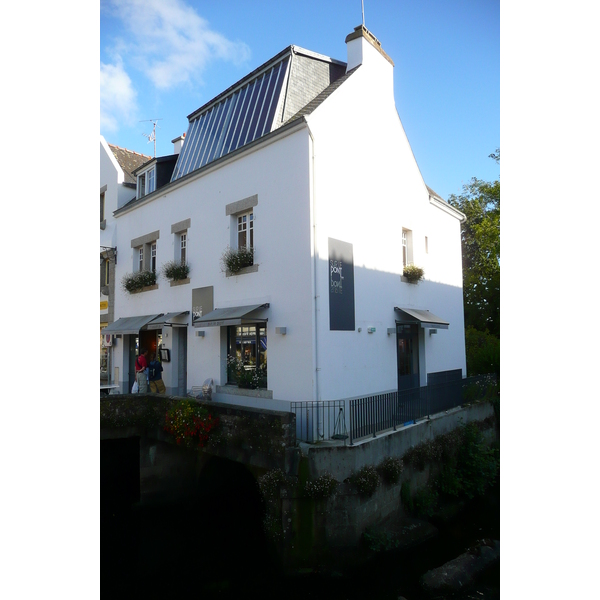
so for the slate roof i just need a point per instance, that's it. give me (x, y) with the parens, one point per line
(318, 100)
(129, 161)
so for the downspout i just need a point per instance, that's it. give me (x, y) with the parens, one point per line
(315, 279)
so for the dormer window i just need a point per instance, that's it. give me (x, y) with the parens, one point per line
(146, 182)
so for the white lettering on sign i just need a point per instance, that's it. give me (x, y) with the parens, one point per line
(335, 276)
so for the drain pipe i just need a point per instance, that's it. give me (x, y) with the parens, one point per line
(315, 277)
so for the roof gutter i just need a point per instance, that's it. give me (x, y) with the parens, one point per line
(447, 208)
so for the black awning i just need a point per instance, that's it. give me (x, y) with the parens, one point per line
(129, 325)
(235, 315)
(167, 320)
(424, 318)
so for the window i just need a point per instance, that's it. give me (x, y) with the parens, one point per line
(153, 257)
(146, 183)
(150, 181)
(407, 254)
(426, 245)
(183, 247)
(141, 187)
(248, 344)
(101, 207)
(140, 253)
(245, 230)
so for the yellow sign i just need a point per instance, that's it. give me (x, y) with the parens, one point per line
(104, 305)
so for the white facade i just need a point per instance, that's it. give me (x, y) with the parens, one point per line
(343, 171)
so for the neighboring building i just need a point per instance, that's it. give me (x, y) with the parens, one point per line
(306, 163)
(117, 187)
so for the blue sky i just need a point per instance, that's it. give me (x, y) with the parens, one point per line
(162, 60)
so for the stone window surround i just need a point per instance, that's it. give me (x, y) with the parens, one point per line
(241, 206)
(142, 242)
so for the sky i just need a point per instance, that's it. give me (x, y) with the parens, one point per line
(159, 61)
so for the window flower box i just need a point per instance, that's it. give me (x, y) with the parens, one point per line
(139, 281)
(413, 274)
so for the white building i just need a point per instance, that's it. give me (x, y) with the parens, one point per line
(117, 187)
(306, 161)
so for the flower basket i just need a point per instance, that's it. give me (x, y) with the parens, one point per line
(235, 259)
(135, 282)
(413, 273)
(175, 270)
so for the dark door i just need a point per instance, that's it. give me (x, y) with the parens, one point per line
(407, 337)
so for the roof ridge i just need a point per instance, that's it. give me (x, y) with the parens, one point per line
(127, 150)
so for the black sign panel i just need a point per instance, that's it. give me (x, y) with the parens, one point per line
(202, 302)
(341, 286)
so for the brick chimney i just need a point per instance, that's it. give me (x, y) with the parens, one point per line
(178, 143)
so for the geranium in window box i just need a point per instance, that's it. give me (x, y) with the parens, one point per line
(235, 259)
(136, 282)
(175, 270)
(413, 273)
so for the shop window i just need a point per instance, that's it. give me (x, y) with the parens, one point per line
(247, 355)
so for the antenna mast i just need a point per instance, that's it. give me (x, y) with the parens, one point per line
(362, 4)
(151, 136)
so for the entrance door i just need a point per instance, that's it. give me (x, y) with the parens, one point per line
(407, 337)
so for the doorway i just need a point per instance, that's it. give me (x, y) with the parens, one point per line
(407, 337)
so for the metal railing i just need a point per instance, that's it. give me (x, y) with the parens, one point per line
(319, 421)
(379, 412)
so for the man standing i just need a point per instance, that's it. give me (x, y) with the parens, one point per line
(156, 383)
(141, 371)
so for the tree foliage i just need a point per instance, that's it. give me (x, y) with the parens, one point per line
(480, 202)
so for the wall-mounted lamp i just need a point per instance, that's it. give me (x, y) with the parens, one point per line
(432, 331)
(281, 330)
(200, 333)
(391, 331)
(106, 250)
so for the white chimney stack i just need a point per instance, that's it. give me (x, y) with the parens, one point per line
(178, 143)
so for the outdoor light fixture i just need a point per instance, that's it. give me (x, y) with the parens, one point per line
(391, 331)
(106, 249)
(281, 330)
(200, 333)
(432, 331)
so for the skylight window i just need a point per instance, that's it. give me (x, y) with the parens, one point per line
(240, 118)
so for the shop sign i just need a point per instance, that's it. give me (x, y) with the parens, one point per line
(341, 286)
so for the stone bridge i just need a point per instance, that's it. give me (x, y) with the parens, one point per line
(261, 441)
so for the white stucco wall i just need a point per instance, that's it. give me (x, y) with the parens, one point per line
(278, 175)
(368, 187)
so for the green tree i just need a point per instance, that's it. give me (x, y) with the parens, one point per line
(480, 202)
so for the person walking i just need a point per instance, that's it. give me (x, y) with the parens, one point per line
(141, 371)
(155, 378)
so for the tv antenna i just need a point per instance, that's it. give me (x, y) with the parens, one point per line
(151, 136)
(362, 5)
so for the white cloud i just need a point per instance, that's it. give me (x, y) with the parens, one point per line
(170, 43)
(117, 96)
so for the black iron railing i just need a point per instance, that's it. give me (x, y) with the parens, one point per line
(379, 412)
(318, 421)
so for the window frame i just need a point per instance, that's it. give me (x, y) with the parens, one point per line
(245, 228)
(407, 247)
(246, 339)
(183, 247)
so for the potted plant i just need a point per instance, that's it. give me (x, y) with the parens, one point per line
(136, 282)
(234, 260)
(413, 273)
(175, 270)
